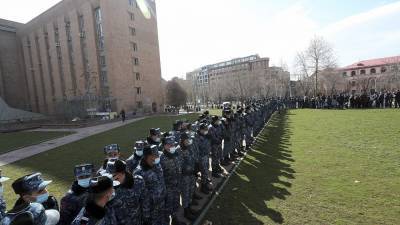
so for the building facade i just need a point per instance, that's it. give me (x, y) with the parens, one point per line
(237, 79)
(12, 82)
(91, 55)
(372, 75)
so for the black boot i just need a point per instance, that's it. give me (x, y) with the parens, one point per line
(195, 202)
(217, 175)
(197, 196)
(188, 214)
(205, 189)
(175, 221)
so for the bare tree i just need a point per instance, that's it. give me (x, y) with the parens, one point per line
(318, 56)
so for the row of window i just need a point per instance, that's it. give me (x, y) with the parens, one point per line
(363, 71)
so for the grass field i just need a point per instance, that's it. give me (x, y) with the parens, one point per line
(12, 141)
(58, 164)
(318, 167)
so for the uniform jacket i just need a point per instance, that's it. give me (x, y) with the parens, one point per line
(72, 203)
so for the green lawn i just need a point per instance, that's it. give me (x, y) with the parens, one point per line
(318, 167)
(12, 141)
(58, 163)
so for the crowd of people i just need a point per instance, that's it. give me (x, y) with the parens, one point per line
(384, 99)
(146, 188)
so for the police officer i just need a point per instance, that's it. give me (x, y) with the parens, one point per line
(228, 138)
(171, 163)
(29, 209)
(2, 201)
(249, 127)
(96, 210)
(215, 130)
(129, 195)
(154, 137)
(133, 161)
(32, 188)
(188, 186)
(204, 152)
(152, 173)
(112, 152)
(76, 197)
(177, 129)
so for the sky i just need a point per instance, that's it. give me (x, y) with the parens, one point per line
(193, 33)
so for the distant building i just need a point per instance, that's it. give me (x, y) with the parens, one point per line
(373, 75)
(237, 79)
(83, 55)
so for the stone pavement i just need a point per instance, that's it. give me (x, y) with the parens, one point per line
(79, 134)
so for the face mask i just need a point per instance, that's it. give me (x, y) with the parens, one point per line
(158, 139)
(84, 182)
(172, 150)
(112, 196)
(42, 198)
(157, 161)
(139, 153)
(219, 123)
(190, 142)
(205, 133)
(113, 158)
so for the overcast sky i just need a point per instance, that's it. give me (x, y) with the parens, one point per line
(194, 33)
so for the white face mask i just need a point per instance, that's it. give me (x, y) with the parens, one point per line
(84, 182)
(158, 139)
(205, 133)
(139, 152)
(42, 198)
(172, 150)
(157, 161)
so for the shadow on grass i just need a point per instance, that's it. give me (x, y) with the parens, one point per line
(262, 176)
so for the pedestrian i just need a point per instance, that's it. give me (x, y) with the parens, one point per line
(123, 115)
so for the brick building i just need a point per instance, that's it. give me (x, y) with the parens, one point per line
(87, 55)
(238, 79)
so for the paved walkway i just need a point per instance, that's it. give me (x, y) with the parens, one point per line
(79, 134)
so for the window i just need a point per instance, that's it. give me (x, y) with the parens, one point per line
(136, 61)
(362, 72)
(103, 60)
(132, 31)
(139, 104)
(137, 76)
(134, 46)
(353, 83)
(131, 16)
(139, 90)
(131, 2)
(383, 70)
(373, 71)
(353, 73)
(344, 74)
